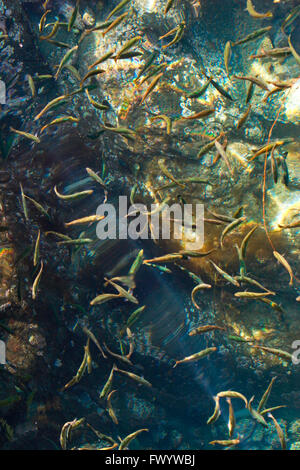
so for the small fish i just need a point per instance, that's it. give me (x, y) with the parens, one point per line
(50, 105)
(119, 7)
(168, 6)
(73, 16)
(257, 81)
(226, 443)
(31, 85)
(196, 357)
(231, 419)
(200, 91)
(217, 411)
(151, 87)
(233, 394)
(91, 335)
(252, 12)
(91, 73)
(66, 430)
(123, 292)
(195, 290)
(285, 171)
(204, 329)
(108, 383)
(102, 298)
(134, 377)
(128, 45)
(110, 408)
(252, 295)
(101, 107)
(64, 60)
(253, 282)
(243, 118)
(227, 56)
(59, 121)
(85, 220)
(277, 352)
(225, 275)
(95, 177)
(77, 241)
(290, 17)
(222, 152)
(43, 20)
(291, 225)
(199, 115)
(250, 91)
(279, 430)
(293, 51)
(37, 249)
(37, 205)
(125, 442)
(266, 395)
(52, 32)
(256, 415)
(230, 227)
(27, 135)
(164, 118)
(25, 210)
(102, 59)
(74, 196)
(255, 35)
(169, 175)
(220, 89)
(115, 23)
(118, 356)
(137, 263)
(64, 45)
(102, 436)
(239, 339)
(285, 264)
(178, 35)
(206, 148)
(37, 281)
(148, 62)
(170, 258)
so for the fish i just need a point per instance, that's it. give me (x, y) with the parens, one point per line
(291, 225)
(277, 352)
(250, 91)
(77, 241)
(85, 220)
(200, 91)
(125, 442)
(24, 205)
(293, 51)
(64, 60)
(205, 329)
(31, 85)
(249, 280)
(91, 73)
(108, 384)
(206, 148)
(137, 263)
(164, 118)
(51, 104)
(43, 20)
(195, 357)
(37, 281)
(231, 419)
(252, 295)
(119, 7)
(91, 335)
(169, 175)
(220, 89)
(36, 254)
(257, 81)
(285, 171)
(290, 17)
(123, 292)
(27, 135)
(110, 408)
(285, 264)
(66, 430)
(230, 227)
(102, 59)
(266, 395)
(52, 32)
(154, 70)
(115, 23)
(273, 53)
(217, 411)
(37, 205)
(243, 118)
(225, 275)
(128, 45)
(199, 115)
(168, 6)
(73, 16)
(170, 258)
(279, 430)
(95, 177)
(227, 56)
(267, 148)
(233, 394)
(252, 12)
(195, 290)
(256, 415)
(59, 121)
(102, 436)
(74, 196)
(222, 152)
(226, 443)
(178, 36)
(239, 339)
(102, 298)
(64, 45)
(134, 377)
(118, 356)
(254, 35)
(151, 87)
(148, 62)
